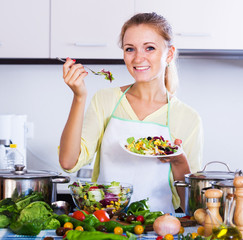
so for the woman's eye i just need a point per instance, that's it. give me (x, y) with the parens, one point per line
(129, 49)
(150, 48)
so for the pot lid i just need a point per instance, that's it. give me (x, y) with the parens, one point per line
(226, 183)
(20, 172)
(211, 175)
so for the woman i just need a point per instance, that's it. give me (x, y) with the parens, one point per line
(148, 108)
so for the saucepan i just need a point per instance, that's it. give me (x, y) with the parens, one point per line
(20, 182)
(196, 183)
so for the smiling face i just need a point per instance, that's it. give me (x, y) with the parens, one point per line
(145, 53)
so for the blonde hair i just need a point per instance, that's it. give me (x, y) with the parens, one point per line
(165, 30)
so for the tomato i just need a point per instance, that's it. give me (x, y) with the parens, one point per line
(93, 188)
(79, 215)
(118, 230)
(178, 142)
(200, 230)
(159, 238)
(169, 237)
(194, 235)
(181, 231)
(68, 225)
(140, 218)
(139, 229)
(102, 215)
(79, 228)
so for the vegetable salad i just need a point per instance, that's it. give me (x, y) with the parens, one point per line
(94, 196)
(151, 146)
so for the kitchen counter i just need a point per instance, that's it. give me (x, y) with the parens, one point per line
(5, 234)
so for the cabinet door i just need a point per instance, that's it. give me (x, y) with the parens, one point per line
(24, 28)
(201, 24)
(88, 28)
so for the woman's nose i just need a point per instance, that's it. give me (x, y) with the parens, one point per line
(139, 56)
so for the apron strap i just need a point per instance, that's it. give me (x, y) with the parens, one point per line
(168, 108)
(120, 100)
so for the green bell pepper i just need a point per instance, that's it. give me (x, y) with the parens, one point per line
(137, 206)
(65, 218)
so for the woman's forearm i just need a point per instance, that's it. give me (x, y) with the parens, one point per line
(70, 144)
(179, 169)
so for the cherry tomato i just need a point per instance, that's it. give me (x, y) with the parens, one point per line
(181, 231)
(102, 215)
(139, 229)
(140, 218)
(79, 228)
(178, 142)
(68, 225)
(79, 215)
(118, 230)
(93, 188)
(169, 237)
(194, 235)
(159, 238)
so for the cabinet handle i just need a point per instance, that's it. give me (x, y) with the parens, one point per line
(78, 44)
(193, 34)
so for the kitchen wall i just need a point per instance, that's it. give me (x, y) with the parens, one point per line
(213, 87)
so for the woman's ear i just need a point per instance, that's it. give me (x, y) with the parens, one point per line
(170, 54)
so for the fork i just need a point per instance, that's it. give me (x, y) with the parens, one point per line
(96, 73)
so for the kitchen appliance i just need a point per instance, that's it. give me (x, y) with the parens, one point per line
(21, 182)
(197, 183)
(14, 129)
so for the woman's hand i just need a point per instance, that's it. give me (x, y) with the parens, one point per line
(73, 75)
(175, 160)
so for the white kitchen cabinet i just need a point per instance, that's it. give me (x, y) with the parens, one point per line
(88, 28)
(24, 28)
(201, 24)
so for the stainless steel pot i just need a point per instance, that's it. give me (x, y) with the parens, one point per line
(196, 183)
(226, 186)
(20, 182)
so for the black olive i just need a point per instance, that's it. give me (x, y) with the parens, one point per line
(101, 228)
(149, 138)
(131, 218)
(122, 216)
(60, 231)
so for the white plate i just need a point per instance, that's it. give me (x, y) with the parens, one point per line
(123, 143)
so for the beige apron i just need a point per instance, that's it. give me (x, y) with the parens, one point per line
(149, 177)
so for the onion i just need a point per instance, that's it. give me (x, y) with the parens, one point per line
(200, 215)
(166, 224)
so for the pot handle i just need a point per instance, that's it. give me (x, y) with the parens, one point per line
(60, 179)
(181, 184)
(216, 162)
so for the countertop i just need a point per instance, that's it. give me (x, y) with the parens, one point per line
(5, 234)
